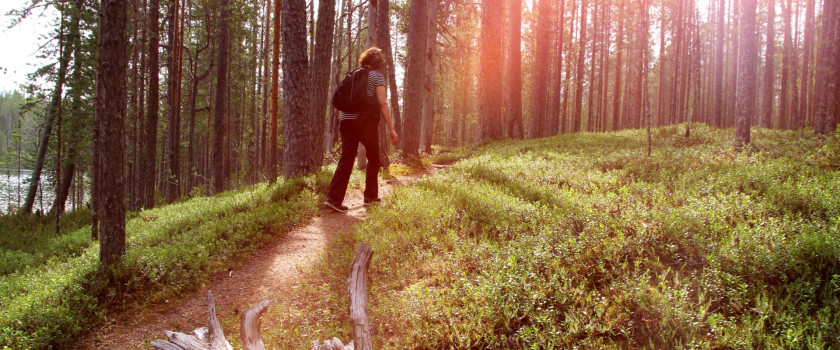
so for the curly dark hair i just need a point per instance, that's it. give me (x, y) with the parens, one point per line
(373, 57)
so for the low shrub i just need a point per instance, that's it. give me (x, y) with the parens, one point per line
(582, 241)
(170, 249)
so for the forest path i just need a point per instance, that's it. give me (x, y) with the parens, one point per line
(272, 270)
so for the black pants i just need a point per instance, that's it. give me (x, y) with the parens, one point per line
(352, 133)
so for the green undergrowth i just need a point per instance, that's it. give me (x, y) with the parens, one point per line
(28, 240)
(582, 241)
(170, 250)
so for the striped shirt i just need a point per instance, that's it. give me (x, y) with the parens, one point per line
(374, 79)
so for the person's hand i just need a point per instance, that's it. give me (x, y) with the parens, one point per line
(394, 137)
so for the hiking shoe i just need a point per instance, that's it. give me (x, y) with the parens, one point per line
(369, 201)
(337, 207)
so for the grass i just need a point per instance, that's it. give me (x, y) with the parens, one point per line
(49, 300)
(30, 240)
(582, 241)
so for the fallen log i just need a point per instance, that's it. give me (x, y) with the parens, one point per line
(357, 289)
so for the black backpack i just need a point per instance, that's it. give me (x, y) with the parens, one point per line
(351, 94)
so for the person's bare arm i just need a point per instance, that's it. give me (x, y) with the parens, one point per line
(386, 113)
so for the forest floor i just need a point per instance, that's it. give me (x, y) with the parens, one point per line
(270, 274)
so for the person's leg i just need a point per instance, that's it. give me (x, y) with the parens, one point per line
(370, 139)
(349, 148)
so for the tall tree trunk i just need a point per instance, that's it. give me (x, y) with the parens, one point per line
(784, 96)
(296, 113)
(769, 66)
(275, 92)
(616, 118)
(825, 117)
(564, 115)
(489, 79)
(660, 105)
(719, 39)
(66, 48)
(576, 120)
(384, 42)
(427, 129)
(806, 100)
(174, 110)
(220, 110)
(319, 84)
(148, 163)
(553, 125)
(748, 54)
(539, 88)
(110, 108)
(590, 108)
(513, 82)
(414, 76)
(67, 171)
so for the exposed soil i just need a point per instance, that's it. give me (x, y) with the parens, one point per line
(274, 267)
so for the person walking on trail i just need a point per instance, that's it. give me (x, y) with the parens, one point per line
(362, 128)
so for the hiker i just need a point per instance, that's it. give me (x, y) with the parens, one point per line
(362, 127)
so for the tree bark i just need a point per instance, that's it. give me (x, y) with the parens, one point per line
(414, 76)
(719, 39)
(539, 89)
(576, 119)
(769, 66)
(296, 113)
(110, 107)
(513, 81)
(320, 80)
(489, 79)
(806, 100)
(748, 54)
(148, 163)
(825, 118)
(427, 130)
(174, 109)
(616, 117)
(275, 93)
(784, 95)
(220, 110)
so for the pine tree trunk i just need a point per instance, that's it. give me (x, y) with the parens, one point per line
(513, 82)
(769, 66)
(553, 124)
(825, 117)
(220, 110)
(539, 88)
(784, 96)
(427, 129)
(616, 117)
(414, 76)
(806, 99)
(576, 121)
(148, 163)
(110, 108)
(296, 113)
(173, 126)
(747, 62)
(320, 83)
(719, 39)
(66, 48)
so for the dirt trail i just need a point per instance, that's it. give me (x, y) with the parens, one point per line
(274, 267)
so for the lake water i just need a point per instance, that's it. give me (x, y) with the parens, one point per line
(13, 190)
